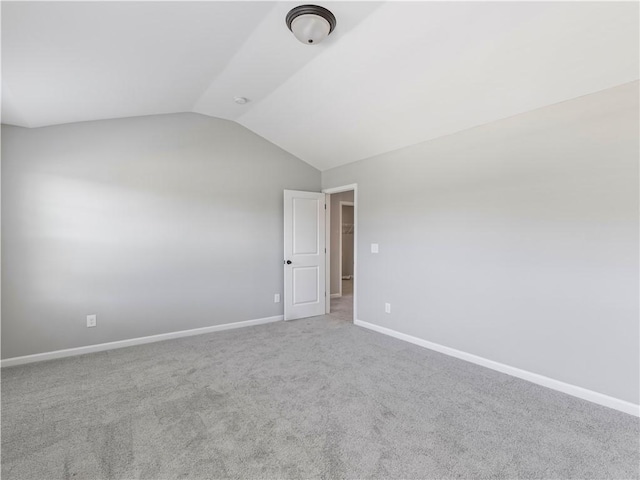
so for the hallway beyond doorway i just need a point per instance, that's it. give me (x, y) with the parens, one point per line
(342, 307)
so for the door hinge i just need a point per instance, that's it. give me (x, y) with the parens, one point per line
(325, 206)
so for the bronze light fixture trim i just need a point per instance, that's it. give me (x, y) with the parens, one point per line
(310, 23)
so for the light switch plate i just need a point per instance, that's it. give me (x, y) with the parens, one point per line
(374, 248)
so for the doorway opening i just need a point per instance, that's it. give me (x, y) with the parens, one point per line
(341, 252)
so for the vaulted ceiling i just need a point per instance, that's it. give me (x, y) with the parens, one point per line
(391, 75)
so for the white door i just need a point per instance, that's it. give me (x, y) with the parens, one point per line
(304, 254)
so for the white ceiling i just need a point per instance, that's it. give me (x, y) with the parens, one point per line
(391, 75)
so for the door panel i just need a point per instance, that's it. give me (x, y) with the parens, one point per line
(304, 254)
(305, 226)
(306, 287)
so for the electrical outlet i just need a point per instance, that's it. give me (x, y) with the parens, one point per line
(92, 320)
(387, 308)
(276, 298)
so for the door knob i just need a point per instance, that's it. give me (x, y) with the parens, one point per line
(288, 262)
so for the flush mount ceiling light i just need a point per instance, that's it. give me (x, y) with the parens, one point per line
(310, 23)
(240, 100)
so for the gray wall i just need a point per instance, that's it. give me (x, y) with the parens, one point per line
(334, 238)
(157, 224)
(516, 241)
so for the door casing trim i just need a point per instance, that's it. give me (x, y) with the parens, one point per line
(330, 191)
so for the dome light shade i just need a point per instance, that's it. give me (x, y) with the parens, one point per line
(310, 23)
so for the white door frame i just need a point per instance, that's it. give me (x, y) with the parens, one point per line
(344, 188)
(342, 204)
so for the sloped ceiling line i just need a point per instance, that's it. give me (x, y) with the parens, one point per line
(391, 75)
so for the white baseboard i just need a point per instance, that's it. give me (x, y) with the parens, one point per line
(70, 352)
(583, 393)
(336, 295)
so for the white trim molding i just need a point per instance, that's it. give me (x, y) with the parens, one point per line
(336, 295)
(343, 188)
(70, 352)
(574, 390)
